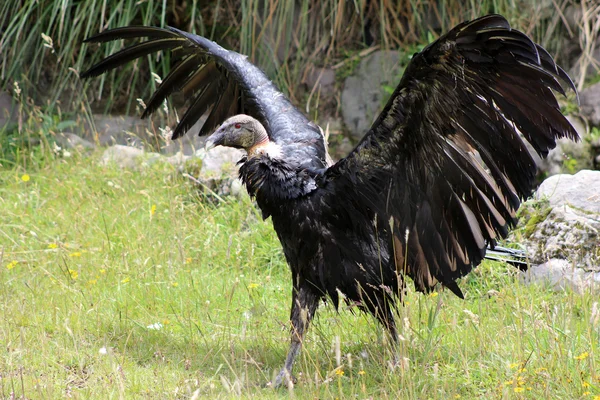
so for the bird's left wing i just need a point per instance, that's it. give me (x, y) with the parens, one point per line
(445, 164)
(218, 81)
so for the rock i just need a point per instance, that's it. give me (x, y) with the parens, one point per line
(322, 78)
(581, 191)
(128, 157)
(122, 130)
(561, 274)
(573, 16)
(591, 69)
(590, 103)
(363, 96)
(132, 131)
(595, 145)
(70, 140)
(8, 110)
(568, 156)
(220, 161)
(216, 170)
(568, 225)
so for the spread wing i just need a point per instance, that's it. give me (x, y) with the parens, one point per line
(445, 163)
(219, 81)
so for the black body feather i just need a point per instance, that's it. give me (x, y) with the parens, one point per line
(412, 199)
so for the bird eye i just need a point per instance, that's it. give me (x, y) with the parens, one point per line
(238, 126)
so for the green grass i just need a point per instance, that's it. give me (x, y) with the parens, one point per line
(93, 257)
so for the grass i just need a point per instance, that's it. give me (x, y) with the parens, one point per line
(126, 284)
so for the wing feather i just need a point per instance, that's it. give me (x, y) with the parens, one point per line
(448, 150)
(219, 80)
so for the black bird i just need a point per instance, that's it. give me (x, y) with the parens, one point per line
(436, 179)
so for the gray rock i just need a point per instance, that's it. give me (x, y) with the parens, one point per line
(220, 161)
(128, 157)
(134, 131)
(570, 229)
(581, 191)
(8, 109)
(121, 130)
(322, 78)
(70, 140)
(215, 171)
(559, 159)
(591, 68)
(561, 274)
(363, 96)
(590, 103)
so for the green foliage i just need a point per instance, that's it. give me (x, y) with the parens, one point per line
(532, 213)
(570, 165)
(569, 107)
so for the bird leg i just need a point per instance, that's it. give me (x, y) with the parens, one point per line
(384, 314)
(304, 305)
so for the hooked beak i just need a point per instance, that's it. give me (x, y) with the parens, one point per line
(209, 144)
(214, 140)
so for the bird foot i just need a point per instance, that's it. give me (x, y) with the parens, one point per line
(283, 378)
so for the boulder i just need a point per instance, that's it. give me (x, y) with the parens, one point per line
(581, 191)
(567, 224)
(68, 140)
(568, 156)
(321, 79)
(590, 103)
(128, 157)
(132, 131)
(215, 171)
(8, 110)
(560, 274)
(562, 232)
(363, 96)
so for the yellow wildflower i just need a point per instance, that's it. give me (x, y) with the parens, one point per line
(514, 365)
(339, 372)
(75, 254)
(253, 285)
(52, 246)
(25, 178)
(102, 271)
(153, 209)
(585, 384)
(11, 264)
(125, 280)
(582, 356)
(74, 274)
(433, 294)
(188, 260)
(457, 396)
(509, 382)
(174, 284)
(361, 372)
(519, 389)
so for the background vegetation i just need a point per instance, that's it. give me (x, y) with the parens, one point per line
(41, 43)
(125, 284)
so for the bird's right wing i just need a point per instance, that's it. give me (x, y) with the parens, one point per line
(220, 81)
(466, 98)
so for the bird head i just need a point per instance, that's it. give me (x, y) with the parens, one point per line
(241, 132)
